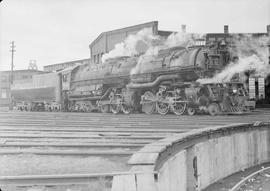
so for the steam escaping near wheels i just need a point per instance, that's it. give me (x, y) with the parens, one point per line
(214, 109)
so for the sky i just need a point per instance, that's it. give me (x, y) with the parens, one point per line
(55, 31)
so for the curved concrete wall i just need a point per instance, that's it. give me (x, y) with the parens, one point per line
(194, 160)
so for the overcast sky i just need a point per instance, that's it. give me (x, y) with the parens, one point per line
(55, 31)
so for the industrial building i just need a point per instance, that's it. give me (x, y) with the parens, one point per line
(64, 65)
(5, 83)
(106, 41)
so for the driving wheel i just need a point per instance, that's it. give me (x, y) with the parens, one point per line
(148, 107)
(191, 110)
(179, 108)
(162, 107)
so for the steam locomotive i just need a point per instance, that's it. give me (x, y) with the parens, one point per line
(162, 83)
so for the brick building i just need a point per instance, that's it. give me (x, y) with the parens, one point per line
(107, 40)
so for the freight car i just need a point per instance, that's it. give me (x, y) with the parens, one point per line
(40, 93)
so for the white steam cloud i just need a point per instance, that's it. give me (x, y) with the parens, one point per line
(253, 57)
(180, 39)
(132, 45)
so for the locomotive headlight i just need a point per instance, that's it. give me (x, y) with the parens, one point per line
(234, 91)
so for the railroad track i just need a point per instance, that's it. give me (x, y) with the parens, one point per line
(247, 179)
(69, 138)
(89, 134)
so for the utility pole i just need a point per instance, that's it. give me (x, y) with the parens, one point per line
(12, 46)
(12, 59)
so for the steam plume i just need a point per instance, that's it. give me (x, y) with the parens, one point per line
(132, 44)
(253, 56)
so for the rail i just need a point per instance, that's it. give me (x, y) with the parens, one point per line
(62, 179)
(239, 184)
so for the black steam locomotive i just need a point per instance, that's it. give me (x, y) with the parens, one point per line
(162, 83)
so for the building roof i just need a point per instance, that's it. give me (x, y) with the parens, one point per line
(66, 62)
(232, 34)
(27, 70)
(68, 69)
(125, 28)
(165, 33)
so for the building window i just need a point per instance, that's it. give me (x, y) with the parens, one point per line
(101, 55)
(24, 77)
(65, 77)
(98, 58)
(4, 78)
(3, 93)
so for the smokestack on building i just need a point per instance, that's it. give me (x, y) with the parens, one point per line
(183, 28)
(268, 33)
(226, 29)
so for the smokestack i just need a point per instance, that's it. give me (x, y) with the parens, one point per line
(183, 28)
(268, 33)
(226, 29)
(268, 30)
